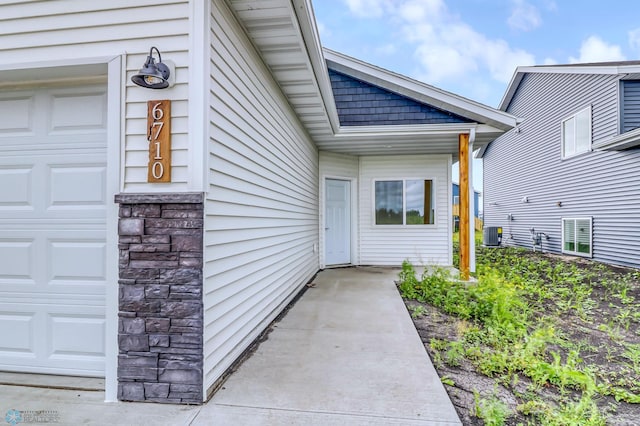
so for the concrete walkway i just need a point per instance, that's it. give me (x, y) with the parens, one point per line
(345, 354)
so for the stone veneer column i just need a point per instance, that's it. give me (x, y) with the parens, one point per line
(160, 332)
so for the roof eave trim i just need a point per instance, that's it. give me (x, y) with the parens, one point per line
(304, 16)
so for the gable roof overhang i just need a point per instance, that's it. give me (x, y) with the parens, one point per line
(285, 34)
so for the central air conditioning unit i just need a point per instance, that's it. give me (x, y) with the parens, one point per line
(492, 236)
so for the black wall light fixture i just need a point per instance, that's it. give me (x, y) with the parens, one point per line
(153, 75)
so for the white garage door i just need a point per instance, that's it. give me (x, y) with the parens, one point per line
(52, 230)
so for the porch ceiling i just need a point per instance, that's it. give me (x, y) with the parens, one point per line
(284, 33)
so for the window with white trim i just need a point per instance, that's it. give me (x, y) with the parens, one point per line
(404, 202)
(576, 133)
(577, 236)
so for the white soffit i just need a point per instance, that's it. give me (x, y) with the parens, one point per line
(285, 34)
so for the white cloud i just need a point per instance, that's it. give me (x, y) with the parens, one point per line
(447, 51)
(450, 49)
(634, 39)
(367, 8)
(524, 16)
(594, 49)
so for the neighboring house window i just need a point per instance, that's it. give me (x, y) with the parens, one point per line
(404, 202)
(577, 236)
(576, 133)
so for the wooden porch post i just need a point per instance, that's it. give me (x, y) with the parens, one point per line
(465, 242)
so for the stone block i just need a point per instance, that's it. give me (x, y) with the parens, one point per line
(137, 373)
(124, 211)
(191, 339)
(162, 351)
(182, 292)
(157, 325)
(156, 291)
(149, 248)
(139, 273)
(129, 391)
(178, 365)
(156, 390)
(192, 243)
(191, 376)
(153, 256)
(158, 341)
(186, 309)
(190, 262)
(182, 276)
(156, 239)
(174, 223)
(132, 292)
(146, 210)
(133, 342)
(184, 388)
(130, 226)
(140, 307)
(148, 360)
(133, 325)
(192, 323)
(181, 214)
(153, 264)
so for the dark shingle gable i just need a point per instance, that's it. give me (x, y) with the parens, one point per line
(363, 104)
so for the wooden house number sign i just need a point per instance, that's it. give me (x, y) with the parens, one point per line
(159, 136)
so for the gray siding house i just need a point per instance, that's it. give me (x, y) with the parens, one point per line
(568, 173)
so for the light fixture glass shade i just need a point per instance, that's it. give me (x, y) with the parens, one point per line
(152, 75)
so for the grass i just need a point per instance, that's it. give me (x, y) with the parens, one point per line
(566, 329)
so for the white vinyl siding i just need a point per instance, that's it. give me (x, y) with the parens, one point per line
(261, 224)
(576, 236)
(390, 245)
(70, 31)
(576, 133)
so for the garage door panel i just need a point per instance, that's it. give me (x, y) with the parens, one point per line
(21, 327)
(16, 115)
(16, 188)
(76, 335)
(77, 260)
(53, 230)
(17, 258)
(77, 187)
(78, 112)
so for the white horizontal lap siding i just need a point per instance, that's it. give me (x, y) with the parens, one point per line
(602, 185)
(71, 30)
(391, 245)
(338, 166)
(262, 203)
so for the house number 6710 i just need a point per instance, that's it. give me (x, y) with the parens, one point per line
(159, 137)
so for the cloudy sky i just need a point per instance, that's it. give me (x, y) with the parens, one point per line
(472, 47)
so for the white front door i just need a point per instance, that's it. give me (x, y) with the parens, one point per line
(53, 230)
(338, 222)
